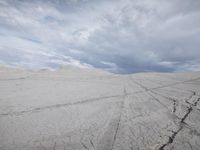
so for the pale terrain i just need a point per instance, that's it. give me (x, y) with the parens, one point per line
(82, 109)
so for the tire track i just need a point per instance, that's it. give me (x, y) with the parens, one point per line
(146, 89)
(168, 85)
(110, 136)
(38, 109)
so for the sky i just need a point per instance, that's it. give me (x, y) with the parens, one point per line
(120, 36)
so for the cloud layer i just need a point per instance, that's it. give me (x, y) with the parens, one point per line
(121, 36)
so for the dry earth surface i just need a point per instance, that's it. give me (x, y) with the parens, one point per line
(82, 109)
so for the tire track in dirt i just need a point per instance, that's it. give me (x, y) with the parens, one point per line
(168, 85)
(38, 109)
(108, 140)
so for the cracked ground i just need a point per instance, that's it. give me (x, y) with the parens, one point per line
(82, 109)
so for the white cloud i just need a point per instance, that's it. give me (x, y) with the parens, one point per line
(122, 35)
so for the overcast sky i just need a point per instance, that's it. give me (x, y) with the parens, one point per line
(121, 36)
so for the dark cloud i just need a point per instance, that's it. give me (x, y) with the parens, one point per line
(121, 36)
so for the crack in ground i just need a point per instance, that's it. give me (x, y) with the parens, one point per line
(172, 137)
(174, 100)
(189, 110)
(195, 104)
(174, 106)
(83, 144)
